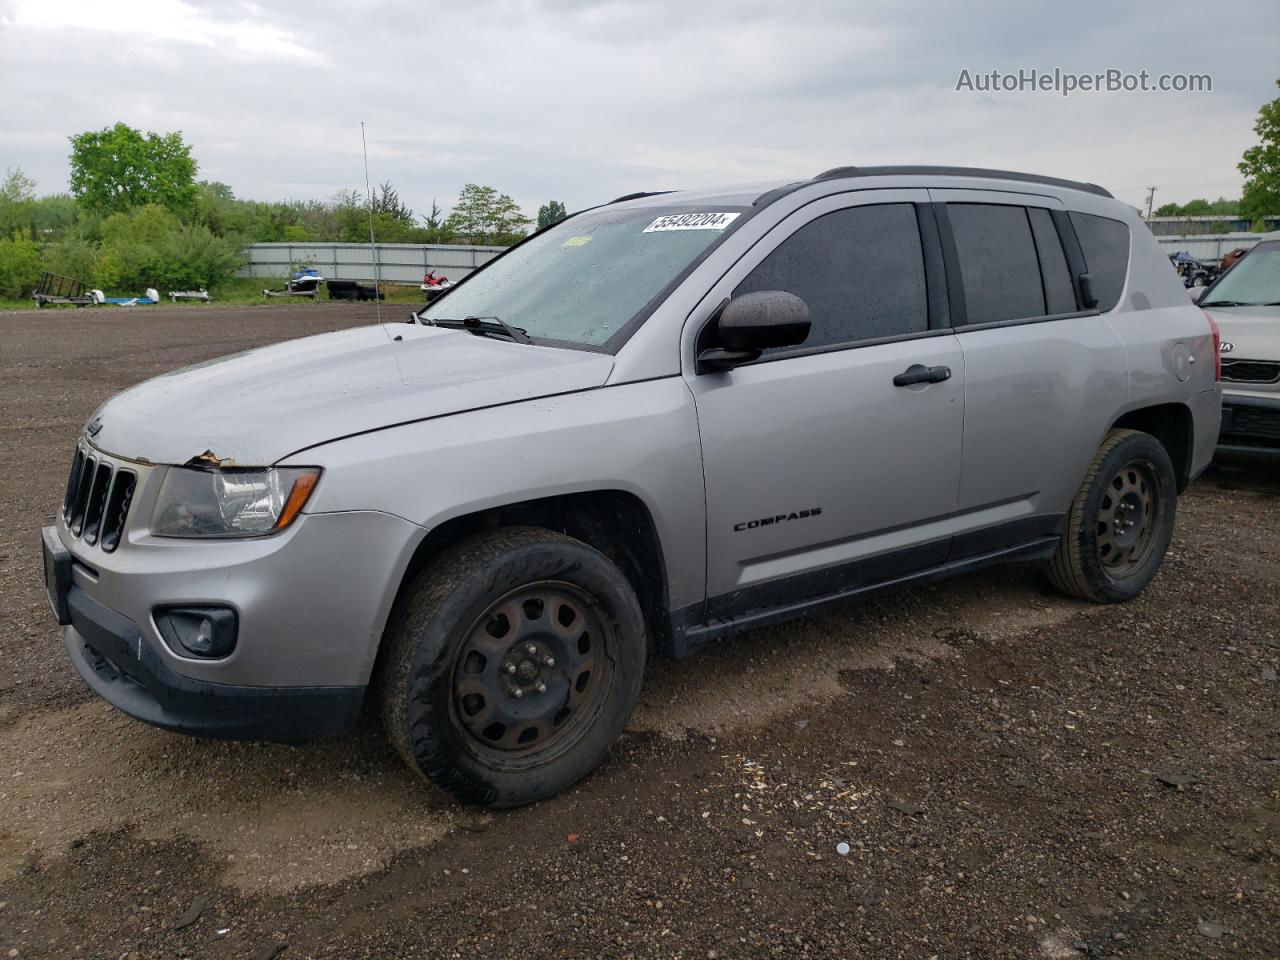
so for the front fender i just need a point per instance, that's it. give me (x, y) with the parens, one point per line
(641, 438)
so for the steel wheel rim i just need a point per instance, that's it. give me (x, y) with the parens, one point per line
(1128, 518)
(532, 673)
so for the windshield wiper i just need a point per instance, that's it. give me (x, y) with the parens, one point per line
(481, 326)
(1225, 303)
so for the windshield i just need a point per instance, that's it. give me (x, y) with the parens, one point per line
(1255, 280)
(584, 280)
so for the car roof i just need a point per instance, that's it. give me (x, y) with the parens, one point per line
(760, 194)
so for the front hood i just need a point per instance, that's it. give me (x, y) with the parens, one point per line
(254, 408)
(1254, 332)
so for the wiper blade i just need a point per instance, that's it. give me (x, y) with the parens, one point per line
(481, 326)
(491, 324)
(1225, 303)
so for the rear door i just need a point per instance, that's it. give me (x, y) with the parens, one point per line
(1041, 373)
(820, 473)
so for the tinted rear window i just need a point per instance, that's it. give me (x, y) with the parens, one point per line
(997, 262)
(1058, 295)
(1106, 255)
(860, 270)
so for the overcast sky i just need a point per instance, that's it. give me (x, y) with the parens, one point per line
(581, 101)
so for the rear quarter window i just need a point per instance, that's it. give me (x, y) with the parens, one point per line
(1106, 255)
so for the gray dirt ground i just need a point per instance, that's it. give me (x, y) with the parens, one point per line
(990, 751)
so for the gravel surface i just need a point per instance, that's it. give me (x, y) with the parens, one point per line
(976, 768)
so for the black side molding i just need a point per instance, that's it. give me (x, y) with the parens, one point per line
(774, 601)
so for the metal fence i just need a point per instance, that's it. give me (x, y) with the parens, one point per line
(1210, 247)
(1204, 226)
(397, 262)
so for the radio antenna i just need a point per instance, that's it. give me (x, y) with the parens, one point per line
(373, 247)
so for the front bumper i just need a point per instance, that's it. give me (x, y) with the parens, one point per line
(111, 654)
(108, 652)
(1250, 424)
(310, 602)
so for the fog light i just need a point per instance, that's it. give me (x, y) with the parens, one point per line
(205, 632)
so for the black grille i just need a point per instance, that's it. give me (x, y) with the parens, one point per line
(1251, 371)
(118, 508)
(81, 499)
(73, 484)
(1252, 426)
(97, 501)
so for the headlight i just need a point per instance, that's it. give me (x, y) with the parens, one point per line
(231, 502)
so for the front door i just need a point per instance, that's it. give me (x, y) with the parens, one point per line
(821, 473)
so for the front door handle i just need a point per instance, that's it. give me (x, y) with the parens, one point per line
(919, 373)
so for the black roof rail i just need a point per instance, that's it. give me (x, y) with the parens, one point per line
(837, 173)
(637, 196)
(777, 193)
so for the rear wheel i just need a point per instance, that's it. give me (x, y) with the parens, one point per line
(1120, 522)
(514, 661)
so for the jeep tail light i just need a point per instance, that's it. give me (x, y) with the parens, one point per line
(1217, 345)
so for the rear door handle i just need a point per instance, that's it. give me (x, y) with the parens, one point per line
(919, 373)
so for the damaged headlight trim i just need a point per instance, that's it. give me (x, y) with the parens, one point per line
(225, 502)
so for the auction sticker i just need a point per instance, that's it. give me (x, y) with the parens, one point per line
(691, 221)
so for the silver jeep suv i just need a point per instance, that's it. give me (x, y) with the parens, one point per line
(664, 420)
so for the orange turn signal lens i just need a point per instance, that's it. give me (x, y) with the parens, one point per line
(298, 497)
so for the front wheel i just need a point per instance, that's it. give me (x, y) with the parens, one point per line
(1120, 522)
(514, 662)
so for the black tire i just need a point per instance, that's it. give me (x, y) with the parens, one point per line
(446, 620)
(1108, 555)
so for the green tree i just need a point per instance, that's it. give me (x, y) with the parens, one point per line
(472, 214)
(54, 216)
(19, 267)
(435, 228)
(552, 211)
(386, 202)
(1261, 165)
(1199, 208)
(218, 209)
(73, 257)
(17, 197)
(151, 247)
(119, 168)
(351, 216)
(482, 215)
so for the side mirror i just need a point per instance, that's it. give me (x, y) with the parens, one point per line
(753, 323)
(1195, 293)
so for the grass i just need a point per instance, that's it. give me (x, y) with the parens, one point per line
(248, 291)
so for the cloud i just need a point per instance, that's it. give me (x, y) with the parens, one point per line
(582, 100)
(155, 23)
